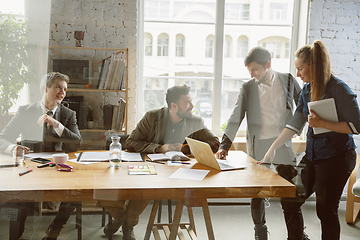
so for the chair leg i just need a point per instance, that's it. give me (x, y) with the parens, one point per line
(159, 212)
(170, 210)
(78, 220)
(17, 224)
(103, 216)
(40, 209)
(110, 222)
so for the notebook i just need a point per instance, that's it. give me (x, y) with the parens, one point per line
(204, 155)
(171, 155)
(326, 110)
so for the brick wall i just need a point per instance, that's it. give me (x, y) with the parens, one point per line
(337, 24)
(107, 24)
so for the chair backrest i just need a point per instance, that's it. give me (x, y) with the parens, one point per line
(351, 199)
(353, 175)
(356, 188)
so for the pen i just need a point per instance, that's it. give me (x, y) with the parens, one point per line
(179, 162)
(9, 165)
(78, 158)
(25, 172)
(45, 165)
(26, 164)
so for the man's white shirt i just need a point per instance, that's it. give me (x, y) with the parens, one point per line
(273, 110)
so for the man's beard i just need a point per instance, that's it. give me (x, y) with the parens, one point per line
(263, 79)
(186, 114)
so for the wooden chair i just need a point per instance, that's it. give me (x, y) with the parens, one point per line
(352, 201)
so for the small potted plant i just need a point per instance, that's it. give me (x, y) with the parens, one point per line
(90, 117)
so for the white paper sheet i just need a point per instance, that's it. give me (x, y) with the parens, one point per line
(84, 163)
(93, 156)
(41, 154)
(131, 157)
(190, 174)
(104, 156)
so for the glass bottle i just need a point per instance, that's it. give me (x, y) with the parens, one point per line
(115, 152)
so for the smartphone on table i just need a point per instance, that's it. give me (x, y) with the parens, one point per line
(40, 160)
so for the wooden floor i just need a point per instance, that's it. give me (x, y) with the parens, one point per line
(229, 222)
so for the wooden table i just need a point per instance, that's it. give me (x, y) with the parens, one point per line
(99, 182)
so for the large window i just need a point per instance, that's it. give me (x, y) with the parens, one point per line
(237, 11)
(156, 9)
(213, 46)
(15, 8)
(278, 11)
(274, 48)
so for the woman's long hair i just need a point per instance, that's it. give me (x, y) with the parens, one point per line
(318, 57)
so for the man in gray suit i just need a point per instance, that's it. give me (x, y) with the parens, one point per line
(55, 126)
(47, 120)
(267, 99)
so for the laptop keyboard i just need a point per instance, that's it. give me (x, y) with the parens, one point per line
(225, 166)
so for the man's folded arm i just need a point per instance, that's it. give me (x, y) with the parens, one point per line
(71, 136)
(135, 145)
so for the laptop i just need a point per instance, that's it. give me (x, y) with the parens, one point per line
(204, 155)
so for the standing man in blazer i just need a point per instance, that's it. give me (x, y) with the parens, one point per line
(267, 99)
(55, 126)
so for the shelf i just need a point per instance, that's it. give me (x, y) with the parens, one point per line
(99, 130)
(88, 48)
(92, 90)
(79, 87)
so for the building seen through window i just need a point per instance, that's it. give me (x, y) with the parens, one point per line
(180, 45)
(163, 45)
(148, 44)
